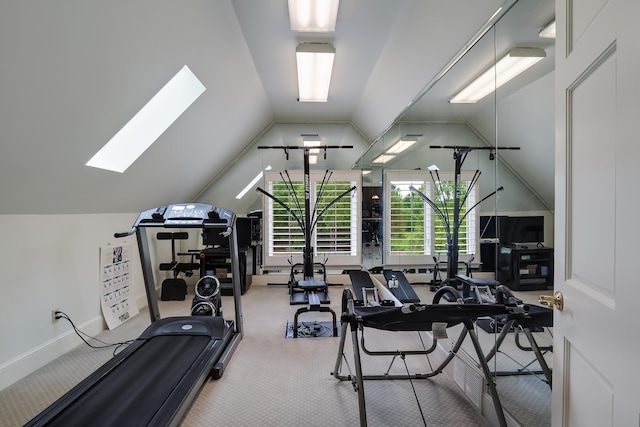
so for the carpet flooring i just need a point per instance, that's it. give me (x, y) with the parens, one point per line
(273, 380)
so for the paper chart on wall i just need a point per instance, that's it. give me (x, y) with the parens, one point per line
(116, 298)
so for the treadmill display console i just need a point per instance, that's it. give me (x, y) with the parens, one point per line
(188, 214)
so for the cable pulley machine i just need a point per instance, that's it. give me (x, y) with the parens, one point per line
(453, 227)
(309, 290)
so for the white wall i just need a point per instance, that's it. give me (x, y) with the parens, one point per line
(49, 262)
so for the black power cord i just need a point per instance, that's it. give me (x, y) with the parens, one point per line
(62, 315)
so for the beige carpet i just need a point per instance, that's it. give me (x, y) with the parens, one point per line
(271, 380)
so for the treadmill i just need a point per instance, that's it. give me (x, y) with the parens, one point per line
(153, 381)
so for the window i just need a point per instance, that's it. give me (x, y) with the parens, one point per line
(444, 196)
(336, 235)
(408, 219)
(415, 232)
(336, 231)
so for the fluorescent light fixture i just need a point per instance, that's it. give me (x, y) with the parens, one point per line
(315, 63)
(549, 31)
(508, 67)
(313, 16)
(253, 182)
(402, 145)
(433, 168)
(149, 123)
(383, 158)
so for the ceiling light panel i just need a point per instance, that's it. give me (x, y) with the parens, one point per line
(315, 64)
(509, 66)
(149, 123)
(383, 158)
(401, 145)
(313, 16)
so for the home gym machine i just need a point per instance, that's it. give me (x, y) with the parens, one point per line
(452, 225)
(358, 317)
(309, 290)
(153, 381)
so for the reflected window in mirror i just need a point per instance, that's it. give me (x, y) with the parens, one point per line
(416, 231)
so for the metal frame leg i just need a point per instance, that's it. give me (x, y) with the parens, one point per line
(487, 374)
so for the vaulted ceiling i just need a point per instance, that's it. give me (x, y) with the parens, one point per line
(73, 72)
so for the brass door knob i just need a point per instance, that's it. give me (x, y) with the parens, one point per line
(557, 300)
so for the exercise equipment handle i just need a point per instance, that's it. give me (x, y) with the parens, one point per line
(124, 233)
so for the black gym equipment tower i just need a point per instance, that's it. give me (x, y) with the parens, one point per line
(453, 228)
(153, 381)
(309, 290)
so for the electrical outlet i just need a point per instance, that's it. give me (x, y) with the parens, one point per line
(54, 313)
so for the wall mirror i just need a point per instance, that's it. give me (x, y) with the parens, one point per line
(520, 113)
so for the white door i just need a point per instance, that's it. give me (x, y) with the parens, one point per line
(596, 377)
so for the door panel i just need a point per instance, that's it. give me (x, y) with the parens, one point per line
(581, 16)
(591, 210)
(596, 343)
(590, 400)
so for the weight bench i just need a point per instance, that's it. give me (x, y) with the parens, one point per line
(313, 289)
(369, 291)
(412, 317)
(299, 294)
(175, 289)
(401, 288)
(480, 290)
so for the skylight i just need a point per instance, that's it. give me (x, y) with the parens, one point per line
(253, 182)
(149, 123)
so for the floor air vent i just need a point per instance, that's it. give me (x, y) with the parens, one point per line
(469, 380)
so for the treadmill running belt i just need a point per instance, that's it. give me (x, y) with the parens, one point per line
(142, 382)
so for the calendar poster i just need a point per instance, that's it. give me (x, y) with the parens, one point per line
(116, 297)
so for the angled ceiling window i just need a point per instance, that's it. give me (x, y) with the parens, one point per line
(252, 183)
(149, 123)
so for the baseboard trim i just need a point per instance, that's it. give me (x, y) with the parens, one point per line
(32, 360)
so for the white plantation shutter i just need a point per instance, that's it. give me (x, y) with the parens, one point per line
(337, 229)
(336, 236)
(285, 235)
(409, 221)
(414, 232)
